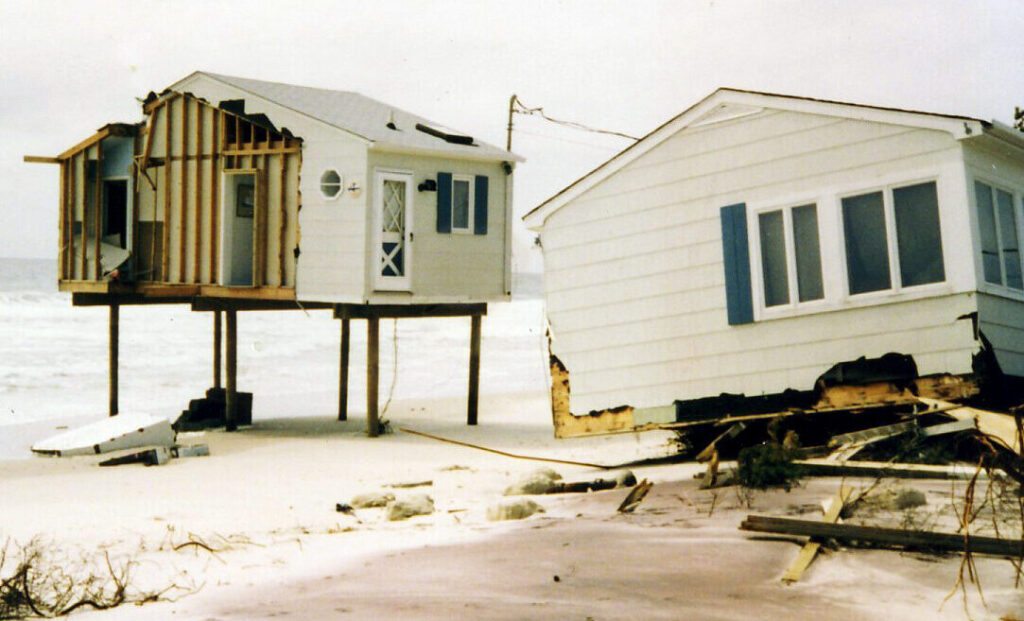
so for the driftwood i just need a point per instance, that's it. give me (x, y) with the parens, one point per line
(886, 537)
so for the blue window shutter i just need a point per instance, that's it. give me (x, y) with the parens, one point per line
(444, 202)
(738, 299)
(480, 208)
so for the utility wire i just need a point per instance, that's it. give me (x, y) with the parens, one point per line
(520, 108)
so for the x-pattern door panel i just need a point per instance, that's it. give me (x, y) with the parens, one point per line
(393, 215)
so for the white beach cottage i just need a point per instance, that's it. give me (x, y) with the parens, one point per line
(754, 240)
(238, 194)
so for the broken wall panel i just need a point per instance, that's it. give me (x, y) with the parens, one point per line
(174, 202)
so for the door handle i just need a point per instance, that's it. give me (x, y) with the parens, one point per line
(410, 235)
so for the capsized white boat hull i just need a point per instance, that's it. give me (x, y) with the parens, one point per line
(124, 431)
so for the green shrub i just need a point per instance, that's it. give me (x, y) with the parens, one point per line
(767, 465)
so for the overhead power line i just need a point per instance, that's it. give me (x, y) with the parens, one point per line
(516, 106)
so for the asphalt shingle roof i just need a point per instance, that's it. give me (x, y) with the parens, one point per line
(364, 117)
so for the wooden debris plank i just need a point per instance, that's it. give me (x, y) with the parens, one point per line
(874, 434)
(950, 427)
(887, 537)
(711, 448)
(823, 468)
(810, 549)
(1003, 427)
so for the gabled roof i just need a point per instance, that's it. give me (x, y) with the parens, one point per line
(728, 103)
(363, 117)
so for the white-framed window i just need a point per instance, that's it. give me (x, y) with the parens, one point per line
(462, 203)
(892, 238)
(331, 184)
(998, 224)
(790, 248)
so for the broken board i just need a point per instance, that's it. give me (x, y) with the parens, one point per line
(123, 431)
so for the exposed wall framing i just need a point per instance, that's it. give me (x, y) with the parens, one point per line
(176, 193)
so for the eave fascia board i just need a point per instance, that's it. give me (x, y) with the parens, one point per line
(388, 147)
(179, 85)
(957, 126)
(1004, 133)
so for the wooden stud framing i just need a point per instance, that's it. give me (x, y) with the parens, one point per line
(153, 275)
(197, 199)
(183, 205)
(136, 243)
(85, 190)
(214, 181)
(63, 220)
(165, 252)
(98, 271)
(283, 222)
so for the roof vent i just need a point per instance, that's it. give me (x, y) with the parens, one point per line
(391, 120)
(452, 138)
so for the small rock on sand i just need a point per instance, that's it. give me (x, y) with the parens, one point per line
(537, 482)
(419, 504)
(372, 499)
(517, 509)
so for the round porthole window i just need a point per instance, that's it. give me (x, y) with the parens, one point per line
(330, 184)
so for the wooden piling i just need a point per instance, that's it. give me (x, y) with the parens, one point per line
(343, 372)
(216, 348)
(231, 398)
(372, 371)
(474, 370)
(114, 331)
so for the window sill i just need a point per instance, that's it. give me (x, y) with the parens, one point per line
(860, 300)
(1000, 291)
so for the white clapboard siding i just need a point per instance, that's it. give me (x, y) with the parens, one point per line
(634, 279)
(1002, 321)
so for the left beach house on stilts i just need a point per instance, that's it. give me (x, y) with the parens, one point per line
(235, 194)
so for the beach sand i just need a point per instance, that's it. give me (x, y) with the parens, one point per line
(265, 501)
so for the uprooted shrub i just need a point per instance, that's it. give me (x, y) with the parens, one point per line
(36, 582)
(767, 465)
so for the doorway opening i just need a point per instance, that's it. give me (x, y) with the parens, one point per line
(238, 211)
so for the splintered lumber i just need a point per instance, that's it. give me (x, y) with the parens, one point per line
(885, 537)
(810, 549)
(635, 496)
(875, 469)
(874, 434)
(711, 448)
(1002, 427)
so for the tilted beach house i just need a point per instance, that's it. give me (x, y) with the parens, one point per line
(236, 194)
(755, 240)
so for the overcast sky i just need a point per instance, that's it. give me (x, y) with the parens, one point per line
(68, 68)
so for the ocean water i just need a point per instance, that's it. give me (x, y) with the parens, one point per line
(53, 357)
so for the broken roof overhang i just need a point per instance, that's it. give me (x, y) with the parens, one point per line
(110, 129)
(960, 127)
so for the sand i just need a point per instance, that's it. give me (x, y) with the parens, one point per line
(265, 499)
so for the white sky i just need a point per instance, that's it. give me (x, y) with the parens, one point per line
(68, 68)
